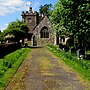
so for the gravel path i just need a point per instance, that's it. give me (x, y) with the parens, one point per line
(41, 70)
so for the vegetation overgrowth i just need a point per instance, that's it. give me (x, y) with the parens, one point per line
(9, 65)
(81, 66)
(71, 18)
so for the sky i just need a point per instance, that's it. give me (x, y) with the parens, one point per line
(10, 10)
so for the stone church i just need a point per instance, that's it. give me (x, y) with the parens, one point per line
(40, 31)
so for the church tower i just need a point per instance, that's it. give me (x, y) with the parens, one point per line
(31, 18)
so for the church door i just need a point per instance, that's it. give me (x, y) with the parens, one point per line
(34, 41)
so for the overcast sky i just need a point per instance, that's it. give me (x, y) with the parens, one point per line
(10, 10)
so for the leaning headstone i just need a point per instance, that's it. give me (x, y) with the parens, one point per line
(81, 54)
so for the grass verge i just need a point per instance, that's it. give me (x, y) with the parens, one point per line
(9, 65)
(81, 66)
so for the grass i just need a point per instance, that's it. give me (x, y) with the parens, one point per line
(81, 66)
(9, 65)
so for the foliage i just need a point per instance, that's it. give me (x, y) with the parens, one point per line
(73, 15)
(9, 64)
(17, 28)
(81, 66)
(45, 10)
(1, 37)
(56, 18)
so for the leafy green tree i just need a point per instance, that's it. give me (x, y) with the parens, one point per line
(73, 15)
(56, 18)
(76, 20)
(45, 9)
(17, 28)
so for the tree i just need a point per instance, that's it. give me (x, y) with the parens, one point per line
(17, 28)
(45, 10)
(73, 15)
(56, 18)
(76, 20)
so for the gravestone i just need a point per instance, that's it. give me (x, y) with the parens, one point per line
(81, 54)
(66, 48)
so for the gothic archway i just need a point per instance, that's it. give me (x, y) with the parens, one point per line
(44, 33)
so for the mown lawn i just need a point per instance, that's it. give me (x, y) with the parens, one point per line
(81, 66)
(9, 65)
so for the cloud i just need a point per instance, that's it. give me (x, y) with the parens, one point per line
(10, 6)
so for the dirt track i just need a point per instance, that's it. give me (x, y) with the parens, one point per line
(41, 70)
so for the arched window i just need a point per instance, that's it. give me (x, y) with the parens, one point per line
(44, 32)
